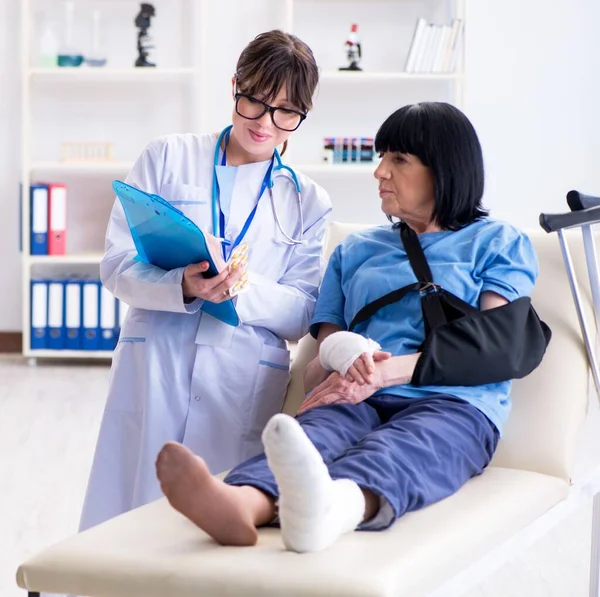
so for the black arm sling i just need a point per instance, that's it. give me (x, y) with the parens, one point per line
(464, 346)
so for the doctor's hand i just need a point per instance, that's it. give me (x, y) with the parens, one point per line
(339, 390)
(216, 289)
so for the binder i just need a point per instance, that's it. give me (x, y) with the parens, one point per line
(57, 220)
(56, 313)
(108, 320)
(165, 237)
(90, 317)
(39, 314)
(38, 223)
(73, 306)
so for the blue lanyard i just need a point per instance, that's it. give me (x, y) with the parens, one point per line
(217, 202)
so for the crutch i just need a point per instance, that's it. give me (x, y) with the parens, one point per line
(585, 212)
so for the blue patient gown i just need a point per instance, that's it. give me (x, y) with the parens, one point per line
(411, 446)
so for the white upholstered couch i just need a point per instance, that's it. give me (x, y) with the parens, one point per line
(155, 552)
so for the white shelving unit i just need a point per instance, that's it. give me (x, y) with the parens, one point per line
(59, 80)
(194, 82)
(58, 167)
(73, 259)
(354, 86)
(104, 73)
(366, 77)
(336, 169)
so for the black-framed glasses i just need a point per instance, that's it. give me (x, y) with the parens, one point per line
(251, 108)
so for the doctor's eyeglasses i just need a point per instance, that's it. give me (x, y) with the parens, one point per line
(251, 108)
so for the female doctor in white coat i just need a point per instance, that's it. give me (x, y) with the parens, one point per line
(178, 373)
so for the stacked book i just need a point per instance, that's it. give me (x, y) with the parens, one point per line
(434, 48)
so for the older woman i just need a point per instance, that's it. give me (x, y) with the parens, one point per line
(368, 445)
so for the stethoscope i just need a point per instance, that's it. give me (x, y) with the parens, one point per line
(219, 218)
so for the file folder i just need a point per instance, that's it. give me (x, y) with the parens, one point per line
(57, 220)
(108, 320)
(165, 237)
(56, 312)
(73, 306)
(90, 317)
(39, 314)
(38, 223)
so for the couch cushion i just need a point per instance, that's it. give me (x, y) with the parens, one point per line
(550, 404)
(154, 552)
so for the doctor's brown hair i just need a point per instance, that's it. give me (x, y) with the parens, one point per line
(274, 59)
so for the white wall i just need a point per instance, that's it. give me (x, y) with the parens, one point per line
(532, 92)
(10, 94)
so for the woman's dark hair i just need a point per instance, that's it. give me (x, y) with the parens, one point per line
(444, 139)
(273, 59)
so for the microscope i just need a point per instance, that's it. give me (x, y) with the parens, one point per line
(144, 45)
(353, 50)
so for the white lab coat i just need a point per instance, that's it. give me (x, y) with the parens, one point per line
(179, 374)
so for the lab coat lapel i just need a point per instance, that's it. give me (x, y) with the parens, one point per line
(248, 182)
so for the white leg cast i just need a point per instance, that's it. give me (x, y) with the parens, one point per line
(314, 510)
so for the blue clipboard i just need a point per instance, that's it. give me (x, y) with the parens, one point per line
(165, 237)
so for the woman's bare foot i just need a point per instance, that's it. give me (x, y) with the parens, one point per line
(222, 511)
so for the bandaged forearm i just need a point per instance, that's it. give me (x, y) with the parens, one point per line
(491, 346)
(339, 350)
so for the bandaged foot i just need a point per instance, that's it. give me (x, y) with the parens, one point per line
(314, 510)
(339, 350)
(218, 509)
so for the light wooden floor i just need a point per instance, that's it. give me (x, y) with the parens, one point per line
(49, 419)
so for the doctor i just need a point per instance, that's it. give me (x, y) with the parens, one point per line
(178, 373)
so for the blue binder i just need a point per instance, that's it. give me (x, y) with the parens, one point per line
(91, 315)
(165, 237)
(38, 221)
(39, 314)
(56, 315)
(73, 312)
(108, 320)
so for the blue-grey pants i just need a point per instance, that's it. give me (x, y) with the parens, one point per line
(410, 452)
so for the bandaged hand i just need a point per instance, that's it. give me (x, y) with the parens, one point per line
(353, 356)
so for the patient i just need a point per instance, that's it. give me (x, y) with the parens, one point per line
(368, 445)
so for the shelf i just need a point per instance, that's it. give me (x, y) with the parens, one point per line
(68, 354)
(337, 169)
(76, 258)
(389, 76)
(104, 73)
(82, 166)
(126, 166)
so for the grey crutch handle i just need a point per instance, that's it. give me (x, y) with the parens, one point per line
(578, 201)
(571, 219)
